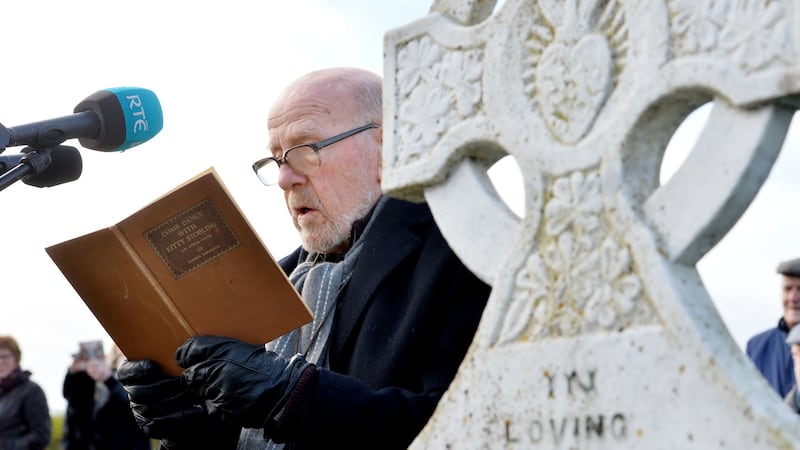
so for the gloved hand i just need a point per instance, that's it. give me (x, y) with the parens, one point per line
(240, 380)
(165, 409)
(160, 404)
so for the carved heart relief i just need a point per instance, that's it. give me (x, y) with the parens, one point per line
(572, 84)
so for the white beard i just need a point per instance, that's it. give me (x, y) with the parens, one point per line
(334, 233)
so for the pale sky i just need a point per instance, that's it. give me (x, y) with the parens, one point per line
(216, 67)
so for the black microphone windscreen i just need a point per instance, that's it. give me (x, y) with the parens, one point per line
(66, 166)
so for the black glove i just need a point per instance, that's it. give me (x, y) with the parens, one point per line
(165, 409)
(240, 380)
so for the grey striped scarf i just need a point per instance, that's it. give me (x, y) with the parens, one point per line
(319, 283)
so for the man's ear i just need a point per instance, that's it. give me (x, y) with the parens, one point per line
(380, 164)
(380, 152)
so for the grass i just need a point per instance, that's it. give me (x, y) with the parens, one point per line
(58, 430)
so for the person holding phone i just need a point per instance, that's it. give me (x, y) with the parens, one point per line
(98, 415)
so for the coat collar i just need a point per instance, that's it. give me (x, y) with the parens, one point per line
(393, 236)
(390, 240)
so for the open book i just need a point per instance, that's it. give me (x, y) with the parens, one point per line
(187, 264)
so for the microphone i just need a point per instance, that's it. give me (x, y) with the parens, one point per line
(110, 120)
(45, 168)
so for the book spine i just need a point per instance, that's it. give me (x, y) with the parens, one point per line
(162, 295)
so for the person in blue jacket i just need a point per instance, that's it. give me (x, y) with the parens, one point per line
(768, 350)
(792, 398)
(394, 308)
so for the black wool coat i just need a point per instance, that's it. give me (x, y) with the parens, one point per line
(402, 326)
(111, 427)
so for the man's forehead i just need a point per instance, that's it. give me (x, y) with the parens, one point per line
(791, 280)
(307, 115)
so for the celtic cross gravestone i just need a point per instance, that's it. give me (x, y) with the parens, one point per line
(599, 333)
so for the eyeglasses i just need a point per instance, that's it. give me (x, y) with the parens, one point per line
(302, 159)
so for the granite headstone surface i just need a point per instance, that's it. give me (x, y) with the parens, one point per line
(599, 333)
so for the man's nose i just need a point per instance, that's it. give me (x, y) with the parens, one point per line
(287, 177)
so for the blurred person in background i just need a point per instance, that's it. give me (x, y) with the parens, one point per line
(793, 340)
(24, 415)
(768, 350)
(98, 413)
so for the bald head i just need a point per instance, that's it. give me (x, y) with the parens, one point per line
(341, 92)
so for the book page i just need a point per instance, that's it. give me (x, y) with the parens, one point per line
(187, 264)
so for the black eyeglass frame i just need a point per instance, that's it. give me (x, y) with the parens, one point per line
(316, 146)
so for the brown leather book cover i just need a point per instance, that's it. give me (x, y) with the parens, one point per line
(187, 264)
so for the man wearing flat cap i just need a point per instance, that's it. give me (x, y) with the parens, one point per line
(769, 349)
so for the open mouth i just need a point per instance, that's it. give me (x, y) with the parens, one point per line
(303, 205)
(303, 211)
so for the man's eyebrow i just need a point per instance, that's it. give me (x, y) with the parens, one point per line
(304, 136)
(298, 136)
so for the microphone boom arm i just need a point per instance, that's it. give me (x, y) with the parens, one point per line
(44, 167)
(5, 138)
(34, 162)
